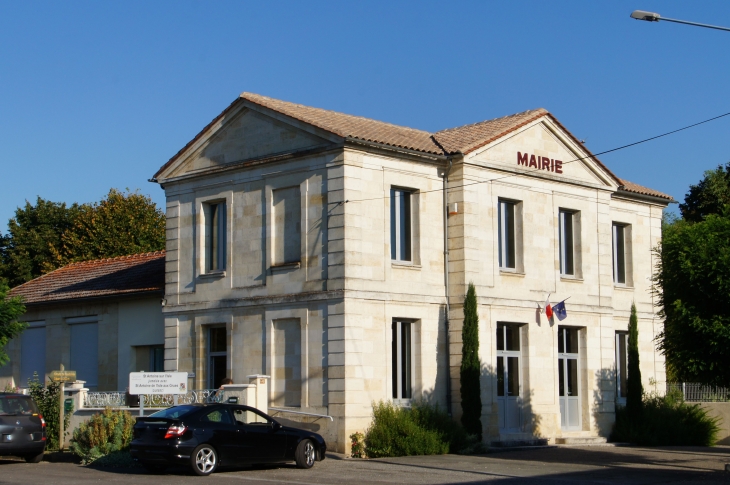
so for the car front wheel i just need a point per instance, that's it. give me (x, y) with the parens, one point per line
(204, 460)
(305, 454)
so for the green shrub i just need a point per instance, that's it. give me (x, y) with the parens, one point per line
(422, 429)
(102, 435)
(47, 397)
(666, 421)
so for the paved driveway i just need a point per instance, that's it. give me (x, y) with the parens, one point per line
(604, 465)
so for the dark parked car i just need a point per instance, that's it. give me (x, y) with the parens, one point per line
(208, 435)
(22, 427)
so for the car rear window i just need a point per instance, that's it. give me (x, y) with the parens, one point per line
(12, 405)
(175, 412)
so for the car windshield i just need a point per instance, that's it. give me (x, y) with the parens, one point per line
(12, 405)
(174, 412)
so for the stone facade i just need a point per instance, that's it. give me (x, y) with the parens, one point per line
(321, 325)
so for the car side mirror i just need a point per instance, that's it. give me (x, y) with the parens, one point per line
(275, 426)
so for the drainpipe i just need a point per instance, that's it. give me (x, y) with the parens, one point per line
(446, 284)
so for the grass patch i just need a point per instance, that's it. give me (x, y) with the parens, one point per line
(422, 429)
(666, 421)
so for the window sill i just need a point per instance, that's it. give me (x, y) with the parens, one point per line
(623, 287)
(278, 268)
(213, 274)
(405, 265)
(571, 279)
(505, 272)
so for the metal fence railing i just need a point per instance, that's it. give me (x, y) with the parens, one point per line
(694, 392)
(122, 399)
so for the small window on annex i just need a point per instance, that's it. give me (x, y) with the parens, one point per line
(215, 236)
(402, 361)
(401, 225)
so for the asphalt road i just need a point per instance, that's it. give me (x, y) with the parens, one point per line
(604, 465)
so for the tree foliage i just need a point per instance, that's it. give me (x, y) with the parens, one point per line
(47, 398)
(10, 327)
(471, 400)
(710, 196)
(48, 235)
(635, 391)
(694, 277)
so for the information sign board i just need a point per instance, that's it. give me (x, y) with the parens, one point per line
(158, 383)
(62, 375)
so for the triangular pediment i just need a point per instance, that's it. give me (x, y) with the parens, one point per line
(544, 149)
(243, 134)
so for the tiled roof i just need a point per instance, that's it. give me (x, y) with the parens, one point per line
(351, 126)
(627, 186)
(462, 139)
(138, 273)
(467, 138)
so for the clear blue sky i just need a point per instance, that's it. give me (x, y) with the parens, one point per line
(95, 95)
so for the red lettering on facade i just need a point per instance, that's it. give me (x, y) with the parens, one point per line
(545, 163)
(558, 166)
(533, 163)
(521, 159)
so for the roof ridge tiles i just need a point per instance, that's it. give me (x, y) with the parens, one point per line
(247, 95)
(115, 258)
(514, 115)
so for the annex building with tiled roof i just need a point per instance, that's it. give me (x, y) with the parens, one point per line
(101, 318)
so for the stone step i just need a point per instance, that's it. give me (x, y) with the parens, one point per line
(580, 440)
(519, 443)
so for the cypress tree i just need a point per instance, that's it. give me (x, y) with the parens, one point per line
(634, 389)
(471, 399)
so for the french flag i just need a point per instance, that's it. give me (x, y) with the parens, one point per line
(548, 308)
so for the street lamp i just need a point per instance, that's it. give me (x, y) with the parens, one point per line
(655, 17)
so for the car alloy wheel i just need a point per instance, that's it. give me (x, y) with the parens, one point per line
(204, 460)
(306, 455)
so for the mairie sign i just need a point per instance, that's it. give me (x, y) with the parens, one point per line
(158, 383)
(62, 375)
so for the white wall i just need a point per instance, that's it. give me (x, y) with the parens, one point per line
(140, 323)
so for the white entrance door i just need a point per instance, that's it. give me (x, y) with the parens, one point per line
(508, 377)
(568, 353)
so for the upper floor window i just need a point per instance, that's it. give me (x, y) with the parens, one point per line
(507, 234)
(215, 236)
(568, 221)
(287, 222)
(622, 365)
(400, 225)
(401, 363)
(620, 254)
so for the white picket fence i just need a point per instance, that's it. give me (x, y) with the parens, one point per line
(120, 399)
(694, 392)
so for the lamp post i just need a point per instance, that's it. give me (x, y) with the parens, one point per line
(655, 17)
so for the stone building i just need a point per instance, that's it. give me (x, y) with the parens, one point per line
(333, 252)
(100, 318)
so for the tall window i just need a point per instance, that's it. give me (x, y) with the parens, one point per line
(32, 352)
(217, 356)
(287, 363)
(507, 235)
(402, 371)
(85, 350)
(619, 253)
(622, 364)
(567, 242)
(215, 237)
(400, 225)
(286, 231)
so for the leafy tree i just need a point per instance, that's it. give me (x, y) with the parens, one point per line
(635, 391)
(48, 235)
(710, 196)
(693, 276)
(121, 224)
(34, 237)
(471, 400)
(10, 327)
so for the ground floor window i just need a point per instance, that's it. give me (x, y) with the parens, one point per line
(287, 363)
(622, 364)
(402, 359)
(509, 357)
(217, 356)
(568, 382)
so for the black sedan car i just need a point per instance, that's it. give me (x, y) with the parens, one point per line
(208, 435)
(22, 427)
